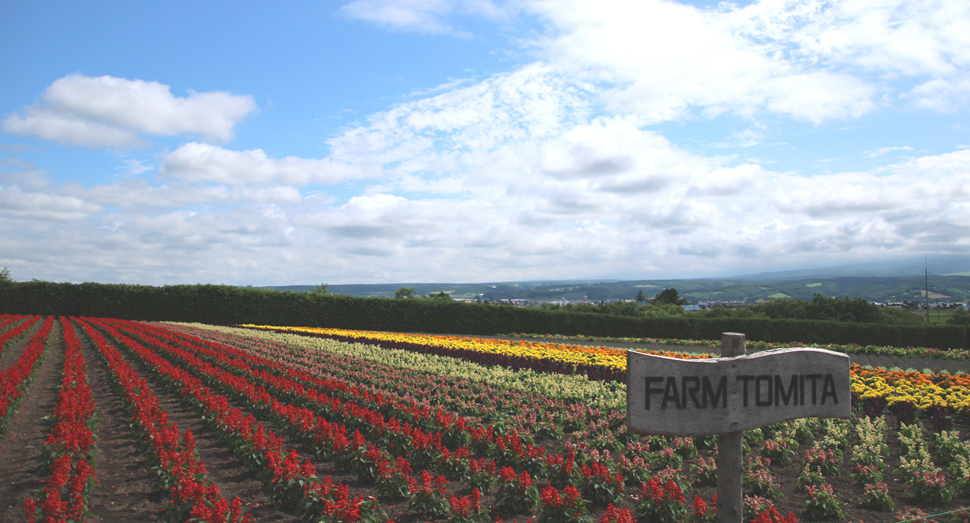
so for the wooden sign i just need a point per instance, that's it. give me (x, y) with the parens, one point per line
(716, 396)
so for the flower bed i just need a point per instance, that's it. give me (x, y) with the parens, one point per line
(69, 449)
(15, 379)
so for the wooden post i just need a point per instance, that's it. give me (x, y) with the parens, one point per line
(730, 456)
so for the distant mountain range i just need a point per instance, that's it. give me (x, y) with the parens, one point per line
(938, 265)
(949, 280)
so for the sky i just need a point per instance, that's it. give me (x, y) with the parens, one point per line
(383, 141)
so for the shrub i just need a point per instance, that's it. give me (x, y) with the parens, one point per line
(429, 495)
(516, 494)
(468, 509)
(822, 503)
(600, 485)
(570, 507)
(616, 515)
(876, 497)
(930, 487)
(706, 469)
(662, 504)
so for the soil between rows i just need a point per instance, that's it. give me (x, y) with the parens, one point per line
(23, 445)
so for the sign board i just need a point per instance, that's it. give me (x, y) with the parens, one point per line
(714, 396)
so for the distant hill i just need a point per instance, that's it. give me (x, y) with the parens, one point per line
(939, 265)
(746, 290)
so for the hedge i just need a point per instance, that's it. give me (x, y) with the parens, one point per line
(220, 304)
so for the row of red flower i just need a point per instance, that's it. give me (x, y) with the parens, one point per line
(13, 327)
(291, 478)
(601, 484)
(371, 462)
(181, 471)
(15, 379)
(68, 452)
(527, 412)
(562, 469)
(388, 434)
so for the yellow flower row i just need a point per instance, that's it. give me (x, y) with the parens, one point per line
(922, 390)
(570, 355)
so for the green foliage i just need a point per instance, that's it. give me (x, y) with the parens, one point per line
(855, 310)
(516, 494)
(668, 297)
(5, 276)
(323, 288)
(822, 503)
(894, 316)
(440, 296)
(620, 308)
(226, 305)
(959, 317)
(405, 292)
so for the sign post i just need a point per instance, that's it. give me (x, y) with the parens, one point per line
(730, 450)
(728, 395)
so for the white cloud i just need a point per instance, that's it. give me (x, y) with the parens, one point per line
(883, 150)
(528, 104)
(203, 163)
(552, 170)
(909, 37)
(138, 193)
(15, 203)
(113, 112)
(423, 16)
(714, 218)
(942, 95)
(659, 60)
(920, 39)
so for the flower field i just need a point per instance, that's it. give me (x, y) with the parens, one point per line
(231, 424)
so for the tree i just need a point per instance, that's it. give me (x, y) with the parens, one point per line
(440, 296)
(640, 297)
(323, 288)
(668, 296)
(5, 276)
(405, 292)
(856, 310)
(894, 316)
(959, 317)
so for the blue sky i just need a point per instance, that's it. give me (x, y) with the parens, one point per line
(479, 140)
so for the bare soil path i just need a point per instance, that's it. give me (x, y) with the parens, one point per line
(22, 447)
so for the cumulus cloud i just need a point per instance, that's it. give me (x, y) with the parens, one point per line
(707, 219)
(139, 193)
(114, 112)
(660, 60)
(556, 169)
(204, 163)
(806, 59)
(30, 205)
(924, 40)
